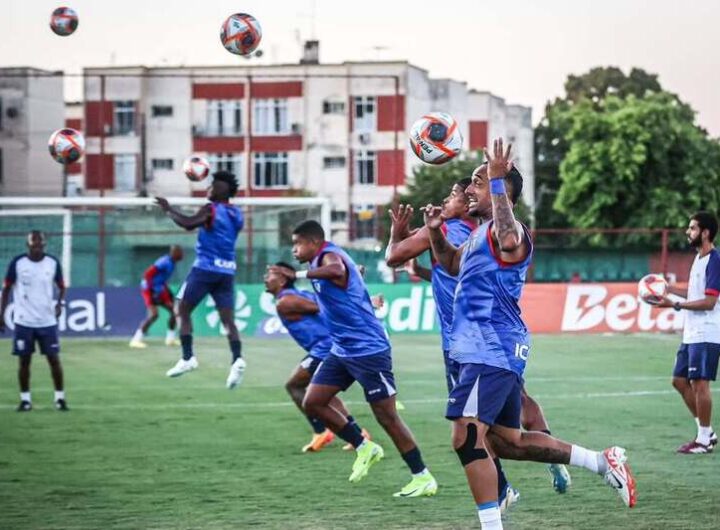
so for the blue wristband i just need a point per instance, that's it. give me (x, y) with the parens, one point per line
(497, 186)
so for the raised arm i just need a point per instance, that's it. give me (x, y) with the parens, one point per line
(413, 268)
(447, 255)
(292, 307)
(332, 268)
(189, 222)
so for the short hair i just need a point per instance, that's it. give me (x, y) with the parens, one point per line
(515, 179)
(229, 179)
(36, 233)
(310, 230)
(464, 183)
(706, 221)
(288, 281)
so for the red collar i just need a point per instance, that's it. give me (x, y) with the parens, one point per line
(323, 247)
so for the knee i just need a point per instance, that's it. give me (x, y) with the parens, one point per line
(679, 383)
(291, 387)
(465, 442)
(310, 405)
(386, 418)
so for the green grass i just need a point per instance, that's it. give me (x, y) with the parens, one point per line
(140, 450)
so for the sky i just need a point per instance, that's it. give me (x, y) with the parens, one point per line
(521, 50)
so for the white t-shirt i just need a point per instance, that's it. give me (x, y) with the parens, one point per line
(703, 326)
(32, 288)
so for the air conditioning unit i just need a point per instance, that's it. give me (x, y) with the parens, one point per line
(364, 138)
(296, 128)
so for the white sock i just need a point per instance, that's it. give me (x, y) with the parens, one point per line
(422, 473)
(139, 335)
(703, 436)
(489, 514)
(59, 394)
(170, 335)
(590, 460)
(25, 396)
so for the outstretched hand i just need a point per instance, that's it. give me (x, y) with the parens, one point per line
(432, 215)
(401, 216)
(498, 163)
(163, 203)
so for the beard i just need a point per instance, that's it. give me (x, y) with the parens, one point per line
(695, 243)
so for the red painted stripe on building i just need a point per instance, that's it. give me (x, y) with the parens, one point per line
(280, 89)
(98, 117)
(478, 135)
(218, 144)
(391, 113)
(274, 144)
(74, 123)
(391, 167)
(218, 91)
(99, 172)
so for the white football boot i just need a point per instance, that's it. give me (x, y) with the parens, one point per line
(619, 476)
(182, 367)
(237, 371)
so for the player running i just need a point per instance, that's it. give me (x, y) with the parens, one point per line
(697, 359)
(32, 277)
(360, 352)
(492, 344)
(155, 292)
(299, 313)
(213, 271)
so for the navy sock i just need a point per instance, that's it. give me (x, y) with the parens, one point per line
(350, 435)
(354, 424)
(235, 347)
(318, 426)
(414, 460)
(546, 431)
(502, 479)
(187, 349)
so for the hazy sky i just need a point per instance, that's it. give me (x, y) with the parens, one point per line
(521, 50)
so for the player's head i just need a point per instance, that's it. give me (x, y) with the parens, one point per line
(36, 244)
(455, 205)
(478, 191)
(176, 252)
(308, 238)
(702, 229)
(276, 282)
(224, 186)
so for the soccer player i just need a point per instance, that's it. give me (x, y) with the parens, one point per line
(492, 344)
(213, 271)
(360, 352)
(697, 359)
(299, 313)
(32, 277)
(155, 292)
(457, 227)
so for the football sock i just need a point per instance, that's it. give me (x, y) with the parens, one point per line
(25, 396)
(170, 335)
(187, 348)
(354, 424)
(703, 436)
(139, 335)
(501, 478)
(235, 347)
(350, 435)
(590, 460)
(59, 394)
(414, 461)
(318, 426)
(489, 514)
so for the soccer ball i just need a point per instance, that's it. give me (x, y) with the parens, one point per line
(64, 21)
(240, 34)
(66, 145)
(196, 168)
(435, 138)
(652, 288)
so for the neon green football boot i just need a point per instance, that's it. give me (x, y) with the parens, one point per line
(423, 485)
(367, 454)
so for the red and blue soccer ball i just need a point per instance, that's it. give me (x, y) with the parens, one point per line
(66, 145)
(435, 138)
(196, 168)
(64, 21)
(241, 34)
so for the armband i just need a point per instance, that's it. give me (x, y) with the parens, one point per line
(497, 186)
(299, 275)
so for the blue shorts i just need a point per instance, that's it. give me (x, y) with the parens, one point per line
(373, 372)
(490, 394)
(697, 361)
(24, 339)
(221, 287)
(452, 371)
(310, 364)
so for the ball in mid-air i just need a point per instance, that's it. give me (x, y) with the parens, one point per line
(196, 168)
(64, 21)
(66, 145)
(652, 288)
(435, 138)
(240, 33)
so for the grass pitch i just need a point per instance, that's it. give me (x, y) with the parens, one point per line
(140, 450)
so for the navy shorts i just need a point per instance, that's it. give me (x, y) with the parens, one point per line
(452, 371)
(221, 287)
(488, 393)
(373, 372)
(24, 339)
(310, 364)
(697, 361)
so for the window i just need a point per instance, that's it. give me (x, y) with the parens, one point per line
(333, 107)
(365, 118)
(271, 170)
(125, 172)
(231, 162)
(270, 116)
(124, 123)
(338, 216)
(365, 221)
(162, 163)
(224, 117)
(160, 111)
(333, 162)
(365, 167)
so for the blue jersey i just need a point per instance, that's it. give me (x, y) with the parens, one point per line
(309, 331)
(215, 248)
(443, 284)
(348, 312)
(487, 327)
(157, 275)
